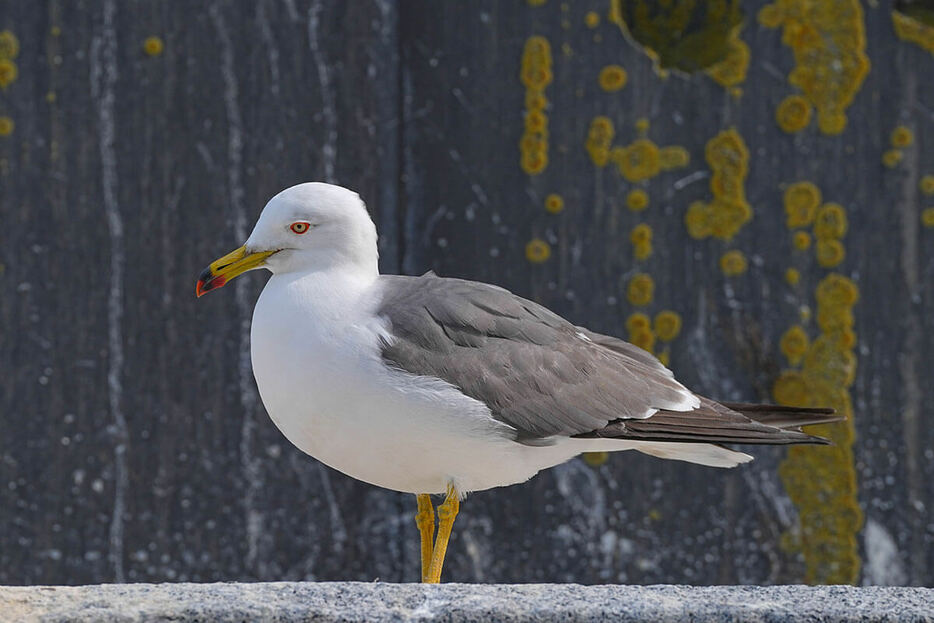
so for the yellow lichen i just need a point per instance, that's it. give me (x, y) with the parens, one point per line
(667, 325)
(792, 276)
(793, 114)
(637, 161)
(685, 35)
(612, 78)
(902, 136)
(592, 19)
(8, 72)
(640, 233)
(790, 388)
(836, 291)
(794, 344)
(664, 358)
(830, 222)
(641, 289)
(801, 201)
(909, 28)
(697, 220)
(727, 154)
(535, 122)
(927, 217)
(641, 239)
(822, 482)
(535, 100)
(554, 203)
(599, 139)
(643, 339)
(595, 459)
(673, 157)
(828, 40)
(534, 161)
(733, 263)
(891, 158)
(153, 46)
(9, 45)
(638, 321)
(771, 15)
(536, 63)
(726, 214)
(802, 240)
(927, 185)
(535, 74)
(642, 250)
(731, 71)
(6, 126)
(537, 251)
(637, 200)
(831, 319)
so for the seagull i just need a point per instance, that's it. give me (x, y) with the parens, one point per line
(430, 385)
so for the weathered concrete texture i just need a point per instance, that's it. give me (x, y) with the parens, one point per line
(349, 601)
(133, 444)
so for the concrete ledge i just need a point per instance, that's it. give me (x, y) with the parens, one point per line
(348, 601)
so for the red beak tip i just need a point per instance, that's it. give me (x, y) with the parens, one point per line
(213, 283)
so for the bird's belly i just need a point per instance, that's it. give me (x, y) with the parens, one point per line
(385, 427)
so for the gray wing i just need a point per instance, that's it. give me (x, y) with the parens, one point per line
(712, 421)
(537, 372)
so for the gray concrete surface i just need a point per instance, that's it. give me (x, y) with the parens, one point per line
(351, 601)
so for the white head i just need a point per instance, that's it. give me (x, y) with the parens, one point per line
(314, 226)
(308, 227)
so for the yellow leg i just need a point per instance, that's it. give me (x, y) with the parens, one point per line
(425, 520)
(447, 512)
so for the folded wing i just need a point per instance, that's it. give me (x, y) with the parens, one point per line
(545, 377)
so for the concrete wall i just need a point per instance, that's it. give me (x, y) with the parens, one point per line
(138, 142)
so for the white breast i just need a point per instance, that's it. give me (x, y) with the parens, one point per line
(316, 359)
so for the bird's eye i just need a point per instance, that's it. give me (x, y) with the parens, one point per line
(300, 227)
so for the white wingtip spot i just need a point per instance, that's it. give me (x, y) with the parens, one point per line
(690, 402)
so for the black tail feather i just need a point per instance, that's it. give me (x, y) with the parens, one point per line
(784, 417)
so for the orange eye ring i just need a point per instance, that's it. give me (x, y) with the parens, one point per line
(300, 227)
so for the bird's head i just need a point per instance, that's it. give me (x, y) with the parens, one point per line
(308, 227)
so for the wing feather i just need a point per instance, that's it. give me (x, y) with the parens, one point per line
(537, 372)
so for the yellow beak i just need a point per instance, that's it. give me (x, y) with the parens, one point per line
(226, 268)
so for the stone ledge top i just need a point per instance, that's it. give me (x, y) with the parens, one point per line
(353, 601)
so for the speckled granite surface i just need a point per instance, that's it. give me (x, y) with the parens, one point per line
(339, 601)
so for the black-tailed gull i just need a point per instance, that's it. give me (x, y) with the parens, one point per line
(432, 385)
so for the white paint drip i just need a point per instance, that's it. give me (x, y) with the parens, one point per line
(912, 408)
(271, 50)
(290, 7)
(248, 398)
(883, 566)
(580, 487)
(103, 80)
(329, 107)
(689, 179)
(338, 532)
